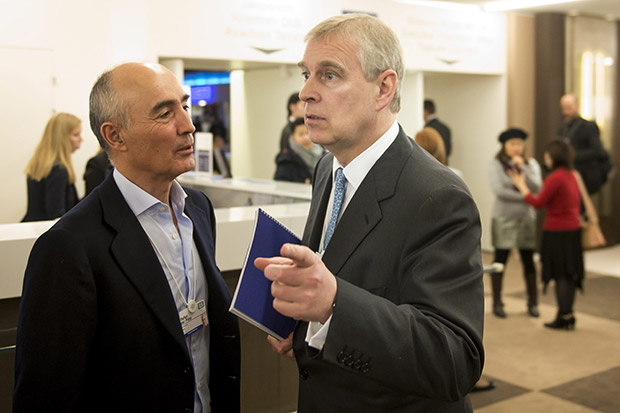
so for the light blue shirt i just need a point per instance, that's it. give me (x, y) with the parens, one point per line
(355, 172)
(181, 263)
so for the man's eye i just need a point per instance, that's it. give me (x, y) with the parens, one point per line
(186, 108)
(164, 115)
(330, 76)
(305, 75)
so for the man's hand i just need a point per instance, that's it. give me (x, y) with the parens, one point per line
(303, 288)
(283, 347)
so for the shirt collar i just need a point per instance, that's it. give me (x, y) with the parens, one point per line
(139, 200)
(358, 168)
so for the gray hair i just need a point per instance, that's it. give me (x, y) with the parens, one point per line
(105, 105)
(379, 48)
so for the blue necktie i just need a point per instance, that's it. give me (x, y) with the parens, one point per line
(339, 190)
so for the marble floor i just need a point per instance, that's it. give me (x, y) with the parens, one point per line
(541, 370)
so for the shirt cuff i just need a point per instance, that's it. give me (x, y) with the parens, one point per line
(317, 333)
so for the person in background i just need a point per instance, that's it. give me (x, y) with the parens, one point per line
(431, 121)
(513, 222)
(561, 253)
(386, 322)
(295, 108)
(296, 162)
(123, 306)
(97, 170)
(591, 159)
(50, 174)
(430, 140)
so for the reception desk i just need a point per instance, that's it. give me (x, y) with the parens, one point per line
(268, 381)
(229, 192)
(287, 202)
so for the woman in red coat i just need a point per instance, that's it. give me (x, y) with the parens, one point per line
(561, 252)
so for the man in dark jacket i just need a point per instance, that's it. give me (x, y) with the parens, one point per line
(591, 159)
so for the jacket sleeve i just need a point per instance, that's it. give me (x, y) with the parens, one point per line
(501, 185)
(533, 177)
(430, 343)
(588, 146)
(57, 319)
(548, 191)
(55, 192)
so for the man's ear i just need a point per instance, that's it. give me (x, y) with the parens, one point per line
(111, 133)
(386, 83)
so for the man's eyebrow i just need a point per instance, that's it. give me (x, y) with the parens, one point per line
(325, 64)
(166, 103)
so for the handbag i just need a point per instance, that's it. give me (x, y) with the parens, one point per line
(591, 234)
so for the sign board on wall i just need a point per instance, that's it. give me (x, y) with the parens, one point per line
(273, 31)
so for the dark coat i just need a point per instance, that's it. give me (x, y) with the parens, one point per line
(98, 326)
(97, 169)
(406, 332)
(50, 197)
(584, 136)
(290, 167)
(444, 132)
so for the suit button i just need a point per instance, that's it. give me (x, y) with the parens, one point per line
(186, 370)
(365, 367)
(349, 361)
(304, 374)
(341, 357)
(188, 410)
(358, 364)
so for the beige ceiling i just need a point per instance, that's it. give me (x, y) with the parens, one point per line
(601, 8)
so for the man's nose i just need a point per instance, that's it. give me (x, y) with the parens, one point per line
(185, 125)
(308, 92)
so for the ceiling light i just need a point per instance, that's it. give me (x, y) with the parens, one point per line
(502, 5)
(446, 5)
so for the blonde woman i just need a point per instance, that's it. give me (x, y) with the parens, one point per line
(50, 174)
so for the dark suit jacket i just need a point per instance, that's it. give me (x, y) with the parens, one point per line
(444, 131)
(584, 136)
(290, 167)
(98, 327)
(97, 169)
(50, 197)
(406, 332)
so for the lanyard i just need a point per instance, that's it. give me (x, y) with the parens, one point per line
(192, 306)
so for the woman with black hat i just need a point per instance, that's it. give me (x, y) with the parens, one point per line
(514, 222)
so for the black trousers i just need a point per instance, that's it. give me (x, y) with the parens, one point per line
(529, 275)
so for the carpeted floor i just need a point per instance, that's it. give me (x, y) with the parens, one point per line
(537, 369)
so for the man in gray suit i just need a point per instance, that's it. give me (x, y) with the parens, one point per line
(388, 285)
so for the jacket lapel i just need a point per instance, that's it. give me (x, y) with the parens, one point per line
(205, 244)
(133, 251)
(320, 197)
(364, 210)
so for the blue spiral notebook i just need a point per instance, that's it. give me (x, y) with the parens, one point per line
(252, 300)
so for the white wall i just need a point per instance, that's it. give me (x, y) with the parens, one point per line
(475, 109)
(259, 98)
(85, 37)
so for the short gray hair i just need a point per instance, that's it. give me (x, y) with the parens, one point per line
(105, 105)
(379, 48)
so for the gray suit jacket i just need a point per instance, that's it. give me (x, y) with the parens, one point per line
(406, 333)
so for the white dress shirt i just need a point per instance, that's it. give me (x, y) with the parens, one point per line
(182, 266)
(355, 172)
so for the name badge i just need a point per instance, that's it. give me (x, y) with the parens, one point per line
(195, 320)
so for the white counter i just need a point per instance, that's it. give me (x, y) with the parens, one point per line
(229, 192)
(233, 231)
